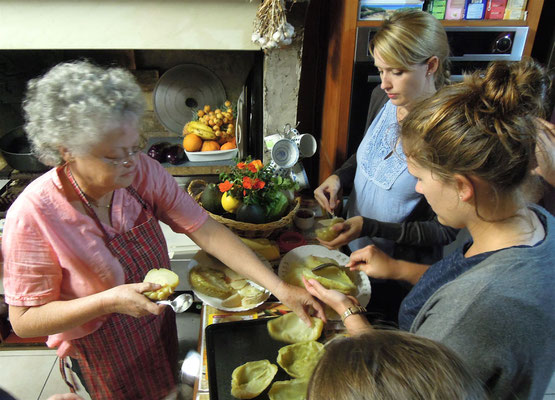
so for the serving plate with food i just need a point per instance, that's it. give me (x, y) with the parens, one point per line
(302, 260)
(219, 286)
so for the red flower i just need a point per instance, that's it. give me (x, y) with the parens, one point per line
(247, 182)
(258, 164)
(258, 184)
(225, 186)
(241, 165)
(244, 192)
(255, 166)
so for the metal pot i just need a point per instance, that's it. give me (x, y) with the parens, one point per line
(16, 149)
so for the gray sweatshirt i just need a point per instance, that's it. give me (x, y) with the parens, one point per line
(499, 316)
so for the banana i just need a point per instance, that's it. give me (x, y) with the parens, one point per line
(201, 130)
(264, 247)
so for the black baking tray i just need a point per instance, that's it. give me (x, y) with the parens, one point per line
(230, 344)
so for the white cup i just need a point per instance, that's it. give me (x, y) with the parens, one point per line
(271, 140)
(285, 153)
(304, 218)
(307, 144)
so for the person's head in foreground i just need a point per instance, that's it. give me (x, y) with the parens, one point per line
(385, 364)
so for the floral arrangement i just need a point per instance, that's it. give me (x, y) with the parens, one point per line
(255, 193)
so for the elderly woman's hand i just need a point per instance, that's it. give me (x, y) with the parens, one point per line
(128, 299)
(300, 301)
(349, 231)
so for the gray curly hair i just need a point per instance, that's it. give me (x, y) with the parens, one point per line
(75, 104)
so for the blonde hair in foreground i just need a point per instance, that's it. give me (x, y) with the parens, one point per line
(411, 37)
(483, 127)
(391, 365)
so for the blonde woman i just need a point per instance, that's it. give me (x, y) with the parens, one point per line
(411, 54)
(472, 150)
(386, 364)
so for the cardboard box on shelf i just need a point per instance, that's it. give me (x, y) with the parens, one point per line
(495, 9)
(455, 9)
(515, 9)
(437, 8)
(475, 9)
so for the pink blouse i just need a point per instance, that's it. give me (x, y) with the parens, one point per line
(54, 252)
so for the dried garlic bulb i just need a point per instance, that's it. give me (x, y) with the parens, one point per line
(271, 29)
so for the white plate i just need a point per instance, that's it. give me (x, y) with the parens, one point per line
(216, 302)
(299, 254)
(216, 155)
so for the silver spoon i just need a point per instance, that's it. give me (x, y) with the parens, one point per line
(180, 304)
(326, 265)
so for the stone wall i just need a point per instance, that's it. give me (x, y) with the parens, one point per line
(282, 73)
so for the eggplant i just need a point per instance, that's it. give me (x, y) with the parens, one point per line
(158, 151)
(175, 154)
(251, 213)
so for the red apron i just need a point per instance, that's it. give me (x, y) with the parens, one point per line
(127, 357)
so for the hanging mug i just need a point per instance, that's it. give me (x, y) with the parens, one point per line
(306, 144)
(285, 153)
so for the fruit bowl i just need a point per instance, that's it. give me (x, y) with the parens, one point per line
(245, 229)
(216, 155)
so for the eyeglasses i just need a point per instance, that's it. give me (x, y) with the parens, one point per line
(125, 161)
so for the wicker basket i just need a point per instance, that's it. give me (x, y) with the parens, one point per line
(244, 229)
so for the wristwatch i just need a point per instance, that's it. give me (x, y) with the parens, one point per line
(356, 309)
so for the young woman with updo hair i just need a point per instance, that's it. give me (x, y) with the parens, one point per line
(472, 150)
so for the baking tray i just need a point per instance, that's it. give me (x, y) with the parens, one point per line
(230, 344)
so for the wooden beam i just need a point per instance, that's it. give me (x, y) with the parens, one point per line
(337, 95)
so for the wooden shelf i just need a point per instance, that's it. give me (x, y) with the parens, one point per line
(336, 106)
(460, 22)
(484, 22)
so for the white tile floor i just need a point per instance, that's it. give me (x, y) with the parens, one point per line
(34, 374)
(31, 374)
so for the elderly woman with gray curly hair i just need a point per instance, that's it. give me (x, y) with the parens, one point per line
(79, 240)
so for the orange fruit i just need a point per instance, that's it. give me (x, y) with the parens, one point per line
(227, 146)
(192, 142)
(210, 145)
(234, 141)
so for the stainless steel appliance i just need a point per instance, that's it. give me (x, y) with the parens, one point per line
(472, 47)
